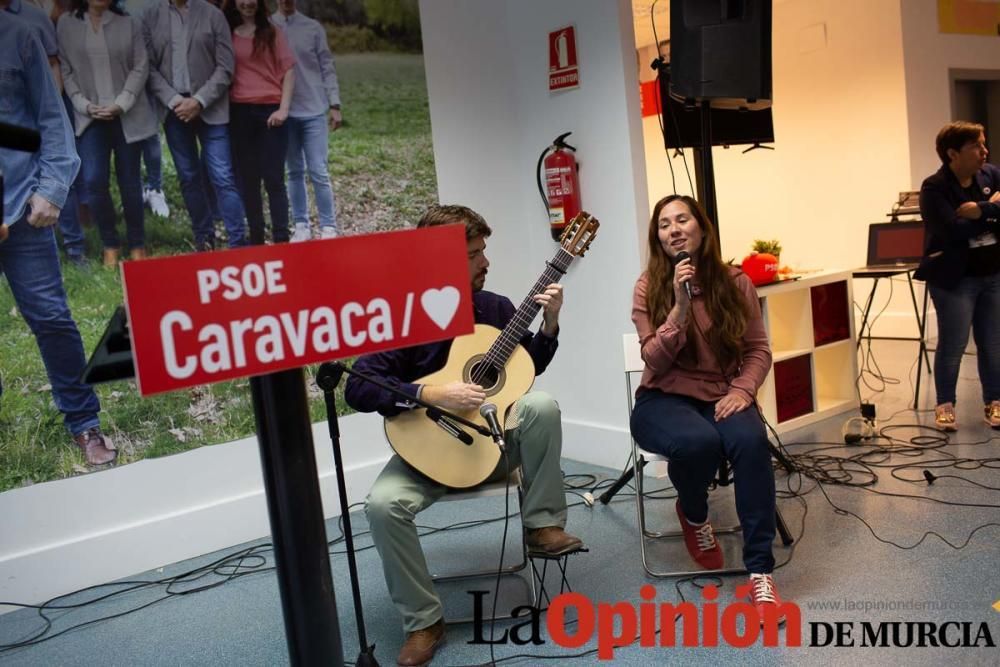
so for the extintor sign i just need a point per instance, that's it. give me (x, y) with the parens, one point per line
(564, 72)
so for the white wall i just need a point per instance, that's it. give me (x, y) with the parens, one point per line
(928, 57)
(491, 116)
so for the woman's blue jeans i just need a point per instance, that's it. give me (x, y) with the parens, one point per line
(685, 431)
(95, 146)
(973, 303)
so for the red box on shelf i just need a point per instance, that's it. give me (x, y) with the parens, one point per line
(830, 313)
(793, 387)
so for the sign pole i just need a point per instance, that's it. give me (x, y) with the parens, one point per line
(301, 555)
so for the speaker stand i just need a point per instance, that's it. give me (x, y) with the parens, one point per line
(704, 168)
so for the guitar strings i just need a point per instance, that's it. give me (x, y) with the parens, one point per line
(510, 337)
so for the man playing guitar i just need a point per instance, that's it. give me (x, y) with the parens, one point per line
(533, 433)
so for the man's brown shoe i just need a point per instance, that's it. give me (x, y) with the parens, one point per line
(552, 541)
(420, 645)
(96, 446)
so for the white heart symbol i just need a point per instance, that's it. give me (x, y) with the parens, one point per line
(440, 305)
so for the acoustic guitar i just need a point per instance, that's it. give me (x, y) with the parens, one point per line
(493, 359)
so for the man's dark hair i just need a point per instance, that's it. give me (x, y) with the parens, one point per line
(475, 225)
(955, 135)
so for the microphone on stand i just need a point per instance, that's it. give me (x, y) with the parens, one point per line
(488, 411)
(448, 426)
(681, 256)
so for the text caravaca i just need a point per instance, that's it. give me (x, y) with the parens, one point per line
(208, 317)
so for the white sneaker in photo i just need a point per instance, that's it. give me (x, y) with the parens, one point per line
(157, 203)
(328, 233)
(301, 233)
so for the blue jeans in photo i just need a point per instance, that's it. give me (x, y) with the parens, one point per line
(152, 157)
(183, 140)
(30, 261)
(973, 303)
(69, 223)
(95, 146)
(259, 156)
(69, 216)
(308, 146)
(685, 431)
(213, 201)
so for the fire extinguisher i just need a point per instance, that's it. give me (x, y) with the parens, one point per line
(561, 192)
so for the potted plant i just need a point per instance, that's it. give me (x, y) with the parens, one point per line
(772, 247)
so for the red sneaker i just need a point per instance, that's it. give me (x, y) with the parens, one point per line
(764, 597)
(700, 542)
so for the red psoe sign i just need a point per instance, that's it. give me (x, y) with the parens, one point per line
(564, 73)
(208, 317)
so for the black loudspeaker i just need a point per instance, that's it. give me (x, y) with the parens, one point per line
(720, 50)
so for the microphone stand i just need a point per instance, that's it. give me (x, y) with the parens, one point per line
(434, 413)
(328, 377)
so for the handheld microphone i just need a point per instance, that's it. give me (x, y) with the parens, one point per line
(488, 411)
(448, 426)
(681, 256)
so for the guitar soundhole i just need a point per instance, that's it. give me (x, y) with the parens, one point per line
(484, 374)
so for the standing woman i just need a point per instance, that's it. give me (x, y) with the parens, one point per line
(706, 354)
(261, 95)
(104, 66)
(960, 205)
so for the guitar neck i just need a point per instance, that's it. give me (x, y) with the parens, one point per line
(501, 350)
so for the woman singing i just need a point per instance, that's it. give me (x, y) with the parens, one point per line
(706, 354)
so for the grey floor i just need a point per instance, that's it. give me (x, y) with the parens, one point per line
(900, 564)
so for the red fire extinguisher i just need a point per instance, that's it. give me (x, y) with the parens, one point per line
(561, 192)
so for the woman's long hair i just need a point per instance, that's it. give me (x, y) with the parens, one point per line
(263, 35)
(80, 7)
(725, 304)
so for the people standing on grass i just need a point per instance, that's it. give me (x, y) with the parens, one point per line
(260, 98)
(191, 66)
(314, 113)
(104, 67)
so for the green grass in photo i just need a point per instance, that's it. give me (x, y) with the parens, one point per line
(382, 165)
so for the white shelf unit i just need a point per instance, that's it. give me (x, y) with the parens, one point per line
(815, 364)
